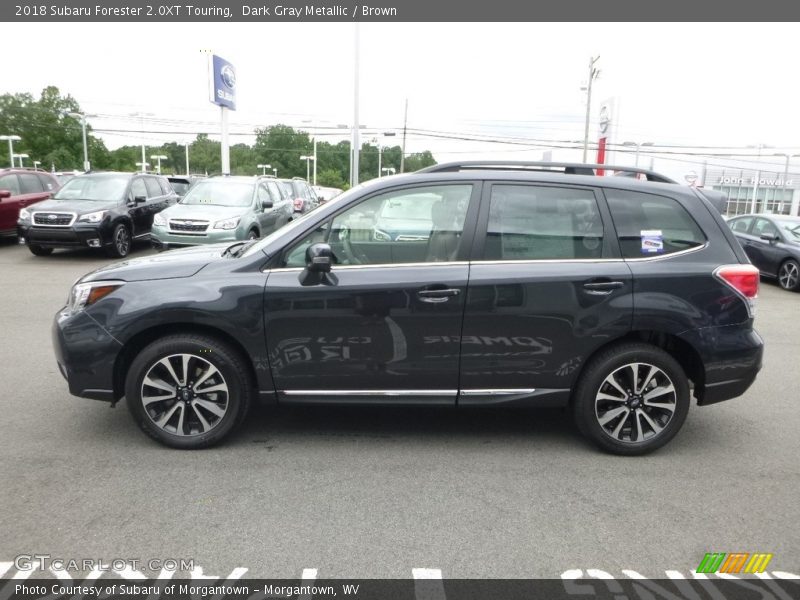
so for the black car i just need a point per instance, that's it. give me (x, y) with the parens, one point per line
(773, 244)
(96, 210)
(620, 299)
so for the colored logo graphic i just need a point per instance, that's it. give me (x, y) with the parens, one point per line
(734, 562)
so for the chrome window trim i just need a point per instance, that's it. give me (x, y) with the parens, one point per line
(377, 265)
(369, 392)
(52, 212)
(497, 392)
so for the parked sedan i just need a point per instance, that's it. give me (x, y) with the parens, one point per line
(772, 242)
(20, 188)
(223, 209)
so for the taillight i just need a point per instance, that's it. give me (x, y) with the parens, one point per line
(743, 279)
(298, 204)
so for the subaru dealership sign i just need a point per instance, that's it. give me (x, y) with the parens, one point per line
(224, 91)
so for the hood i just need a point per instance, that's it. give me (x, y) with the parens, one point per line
(80, 207)
(204, 212)
(168, 265)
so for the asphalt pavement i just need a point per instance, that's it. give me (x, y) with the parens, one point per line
(377, 492)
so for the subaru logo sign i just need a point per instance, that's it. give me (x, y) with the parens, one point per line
(51, 217)
(224, 91)
(229, 76)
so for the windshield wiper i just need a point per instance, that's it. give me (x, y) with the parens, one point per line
(229, 248)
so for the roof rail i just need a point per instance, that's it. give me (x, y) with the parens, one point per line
(556, 167)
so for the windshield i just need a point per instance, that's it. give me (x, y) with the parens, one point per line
(180, 187)
(791, 228)
(105, 188)
(220, 193)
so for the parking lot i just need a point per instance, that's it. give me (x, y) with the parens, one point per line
(378, 492)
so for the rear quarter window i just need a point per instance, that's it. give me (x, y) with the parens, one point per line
(652, 225)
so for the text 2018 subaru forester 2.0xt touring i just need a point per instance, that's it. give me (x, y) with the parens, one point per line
(527, 284)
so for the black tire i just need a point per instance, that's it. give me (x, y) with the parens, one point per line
(231, 373)
(39, 251)
(789, 275)
(120, 242)
(253, 234)
(595, 399)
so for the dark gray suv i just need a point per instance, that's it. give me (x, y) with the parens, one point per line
(496, 284)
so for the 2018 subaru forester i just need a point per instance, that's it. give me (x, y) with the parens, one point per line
(526, 283)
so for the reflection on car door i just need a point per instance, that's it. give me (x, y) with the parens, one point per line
(546, 284)
(363, 332)
(265, 215)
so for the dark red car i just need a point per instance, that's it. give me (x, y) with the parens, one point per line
(20, 188)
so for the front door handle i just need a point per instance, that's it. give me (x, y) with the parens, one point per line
(437, 296)
(602, 287)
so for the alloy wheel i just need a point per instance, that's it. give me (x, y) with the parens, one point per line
(122, 241)
(788, 275)
(635, 403)
(185, 395)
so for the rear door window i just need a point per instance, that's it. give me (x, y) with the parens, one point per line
(652, 225)
(741, 225)
(48, 182)
(138, 188)
(29, 183)
(530, 222)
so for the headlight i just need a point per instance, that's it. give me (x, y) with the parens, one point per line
(381, 236)
(24, 214)
(159, 220)
(227, 224)
(94, 217)
(86, 294)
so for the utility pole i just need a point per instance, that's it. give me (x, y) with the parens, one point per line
(356, 142)
(187, 158)
(593, 73)
(403, 151)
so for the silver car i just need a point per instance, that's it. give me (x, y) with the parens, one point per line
(223, 209)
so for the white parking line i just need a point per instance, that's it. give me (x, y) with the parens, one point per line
(428, 584)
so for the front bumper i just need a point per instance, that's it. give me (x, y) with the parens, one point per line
(77, 236)
(732, 357)
(85, 353)
(164, 240)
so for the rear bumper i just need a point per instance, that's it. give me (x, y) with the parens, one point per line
(732, 357)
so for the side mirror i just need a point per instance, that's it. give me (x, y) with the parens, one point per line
(5, 194)
(266, 204)
(319, 258)
(770, 237)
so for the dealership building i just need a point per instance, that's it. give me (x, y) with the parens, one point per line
(750, 190)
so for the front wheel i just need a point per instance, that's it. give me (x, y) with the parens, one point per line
(631, 399)
(252, 234)
(789, 275)
(188, 391)
(120, 242)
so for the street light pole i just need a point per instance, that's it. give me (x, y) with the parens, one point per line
(36, 164)
(187, 158)
(82, 118)
(593, 73)
(159, 158)
(275, 172)
(264, 168)
(638, 147)
(792, 205)
(142, 115)
(356, 142)
(20, 157)
(11, 139)
(308, 160)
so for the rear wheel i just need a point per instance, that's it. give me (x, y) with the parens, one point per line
(40, 251)
(631, 399)
(120, 242)
(789, 275)
(188, 391)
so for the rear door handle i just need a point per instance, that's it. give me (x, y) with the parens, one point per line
(437, 296)
(602, 287)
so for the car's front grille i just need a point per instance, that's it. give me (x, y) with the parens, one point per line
(53, 219)
(188, 226)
